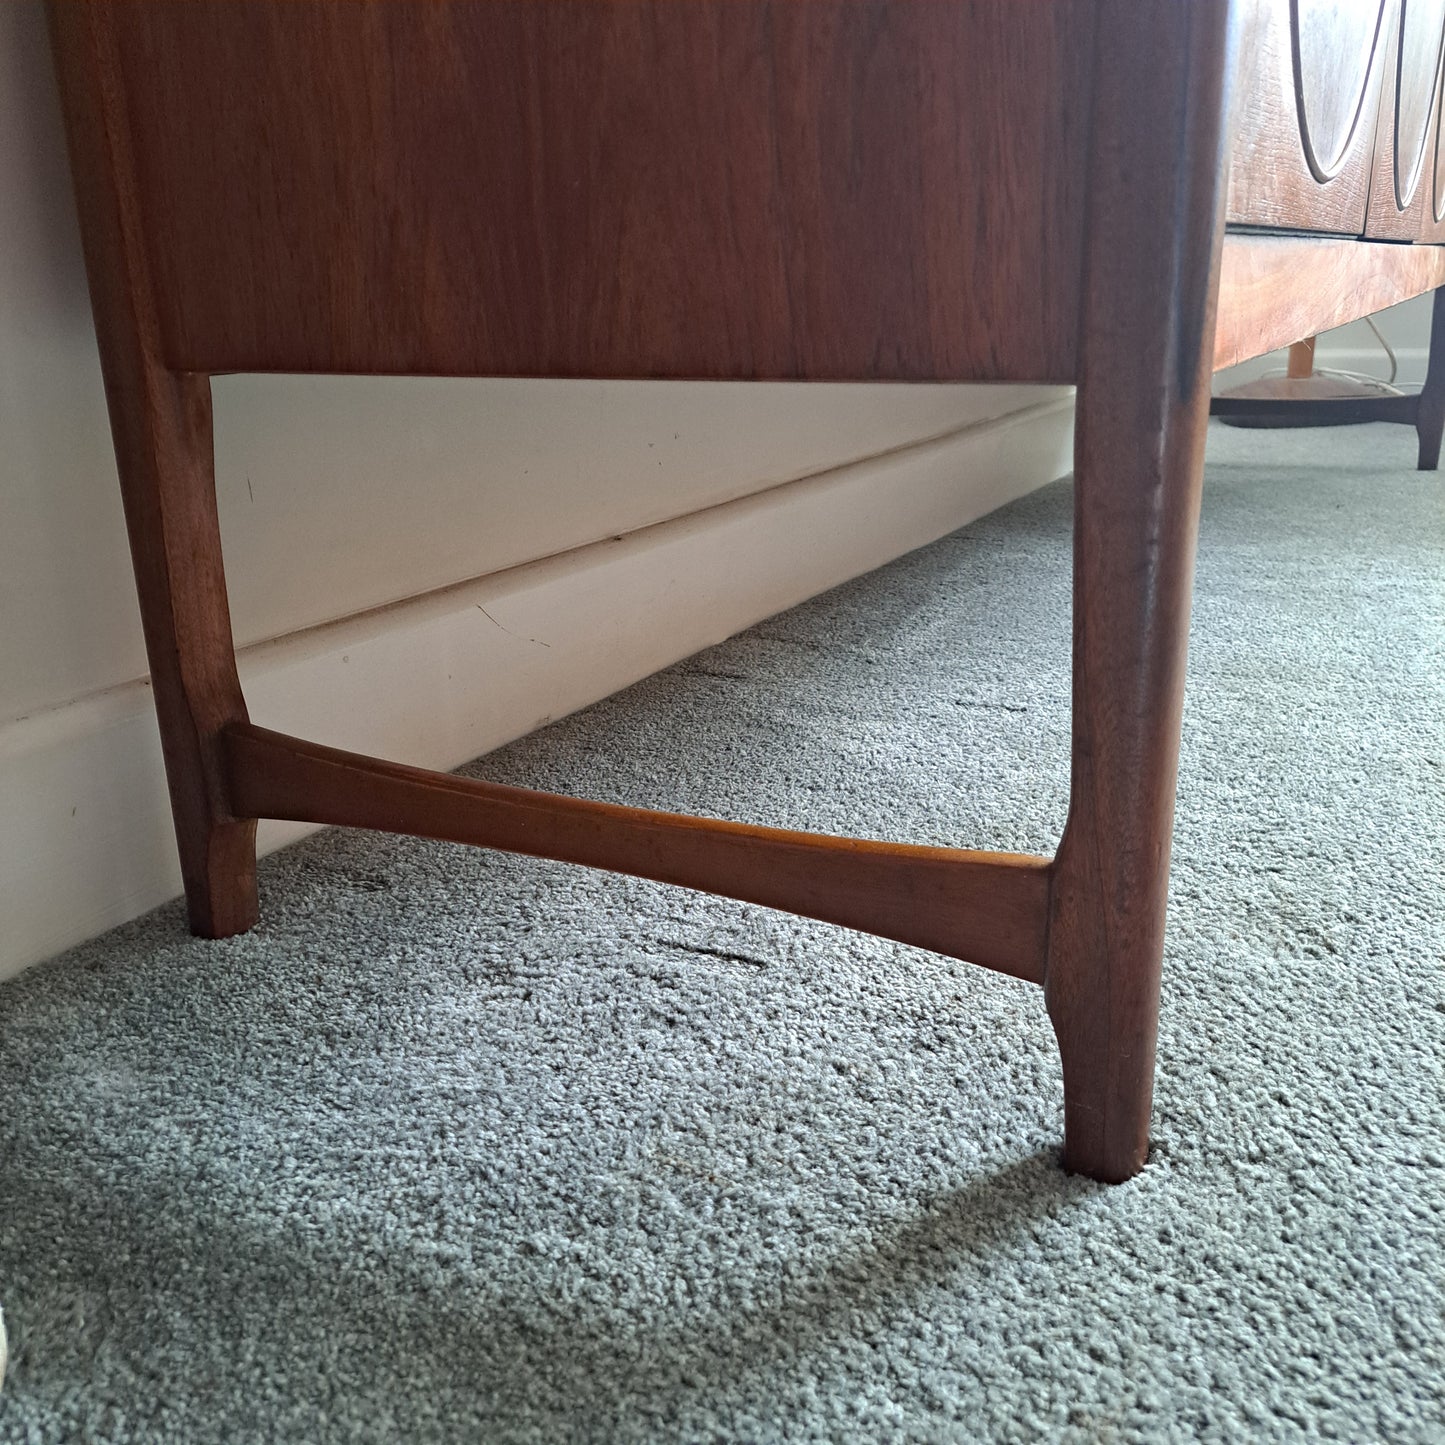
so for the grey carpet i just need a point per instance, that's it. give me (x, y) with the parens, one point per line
(457, 1146)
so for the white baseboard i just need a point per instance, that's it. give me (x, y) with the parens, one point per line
(85, 835)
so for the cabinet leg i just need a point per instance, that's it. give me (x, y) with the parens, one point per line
(1146, 342)
(160, 421)
(1136, 519)
(1430, 418)
(164, 454)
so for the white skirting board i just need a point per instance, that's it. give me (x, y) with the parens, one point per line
(85, 830)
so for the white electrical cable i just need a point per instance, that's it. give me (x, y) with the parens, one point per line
(1389, 350)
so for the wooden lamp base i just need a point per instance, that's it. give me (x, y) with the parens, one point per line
(1304, 398)
(1294, 395)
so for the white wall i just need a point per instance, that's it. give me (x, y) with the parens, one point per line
(606, 528)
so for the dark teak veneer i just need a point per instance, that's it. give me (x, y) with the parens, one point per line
(961, 190)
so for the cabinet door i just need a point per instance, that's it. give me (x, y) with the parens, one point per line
(1309, 92)
(1432, 182)
(1402, 180)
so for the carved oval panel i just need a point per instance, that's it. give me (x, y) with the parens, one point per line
(1334, 43)
(1439, 198)
(1422, 31)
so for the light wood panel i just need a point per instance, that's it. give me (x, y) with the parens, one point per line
(1276, 289)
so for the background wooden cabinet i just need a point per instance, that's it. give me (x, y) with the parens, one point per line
(1340, 126)
(1310, 78)
(1433, 208)
(1403, 182)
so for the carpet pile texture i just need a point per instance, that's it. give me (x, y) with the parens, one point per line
(460, 1146)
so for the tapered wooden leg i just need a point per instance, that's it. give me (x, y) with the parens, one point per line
(167, 480)
(1430, 418)
(161, 425)
(1151, 276)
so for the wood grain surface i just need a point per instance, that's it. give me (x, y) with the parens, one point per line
(161, 425)
(1432, 180)
(851, 189)
(987, 908)
(1156, 192)
(1276, 289)
(1402, 173)
(1433, 209)
(1322, 79)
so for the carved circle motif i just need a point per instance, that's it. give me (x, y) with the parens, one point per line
(1439, 197)
(1334, 43)
(1422, 32)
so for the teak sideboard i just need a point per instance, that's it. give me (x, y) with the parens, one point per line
(901, 190)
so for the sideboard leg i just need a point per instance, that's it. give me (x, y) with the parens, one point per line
(1430, 417)
(1146, 344)
(1136, 514)
(164, 453)
(160, 422)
